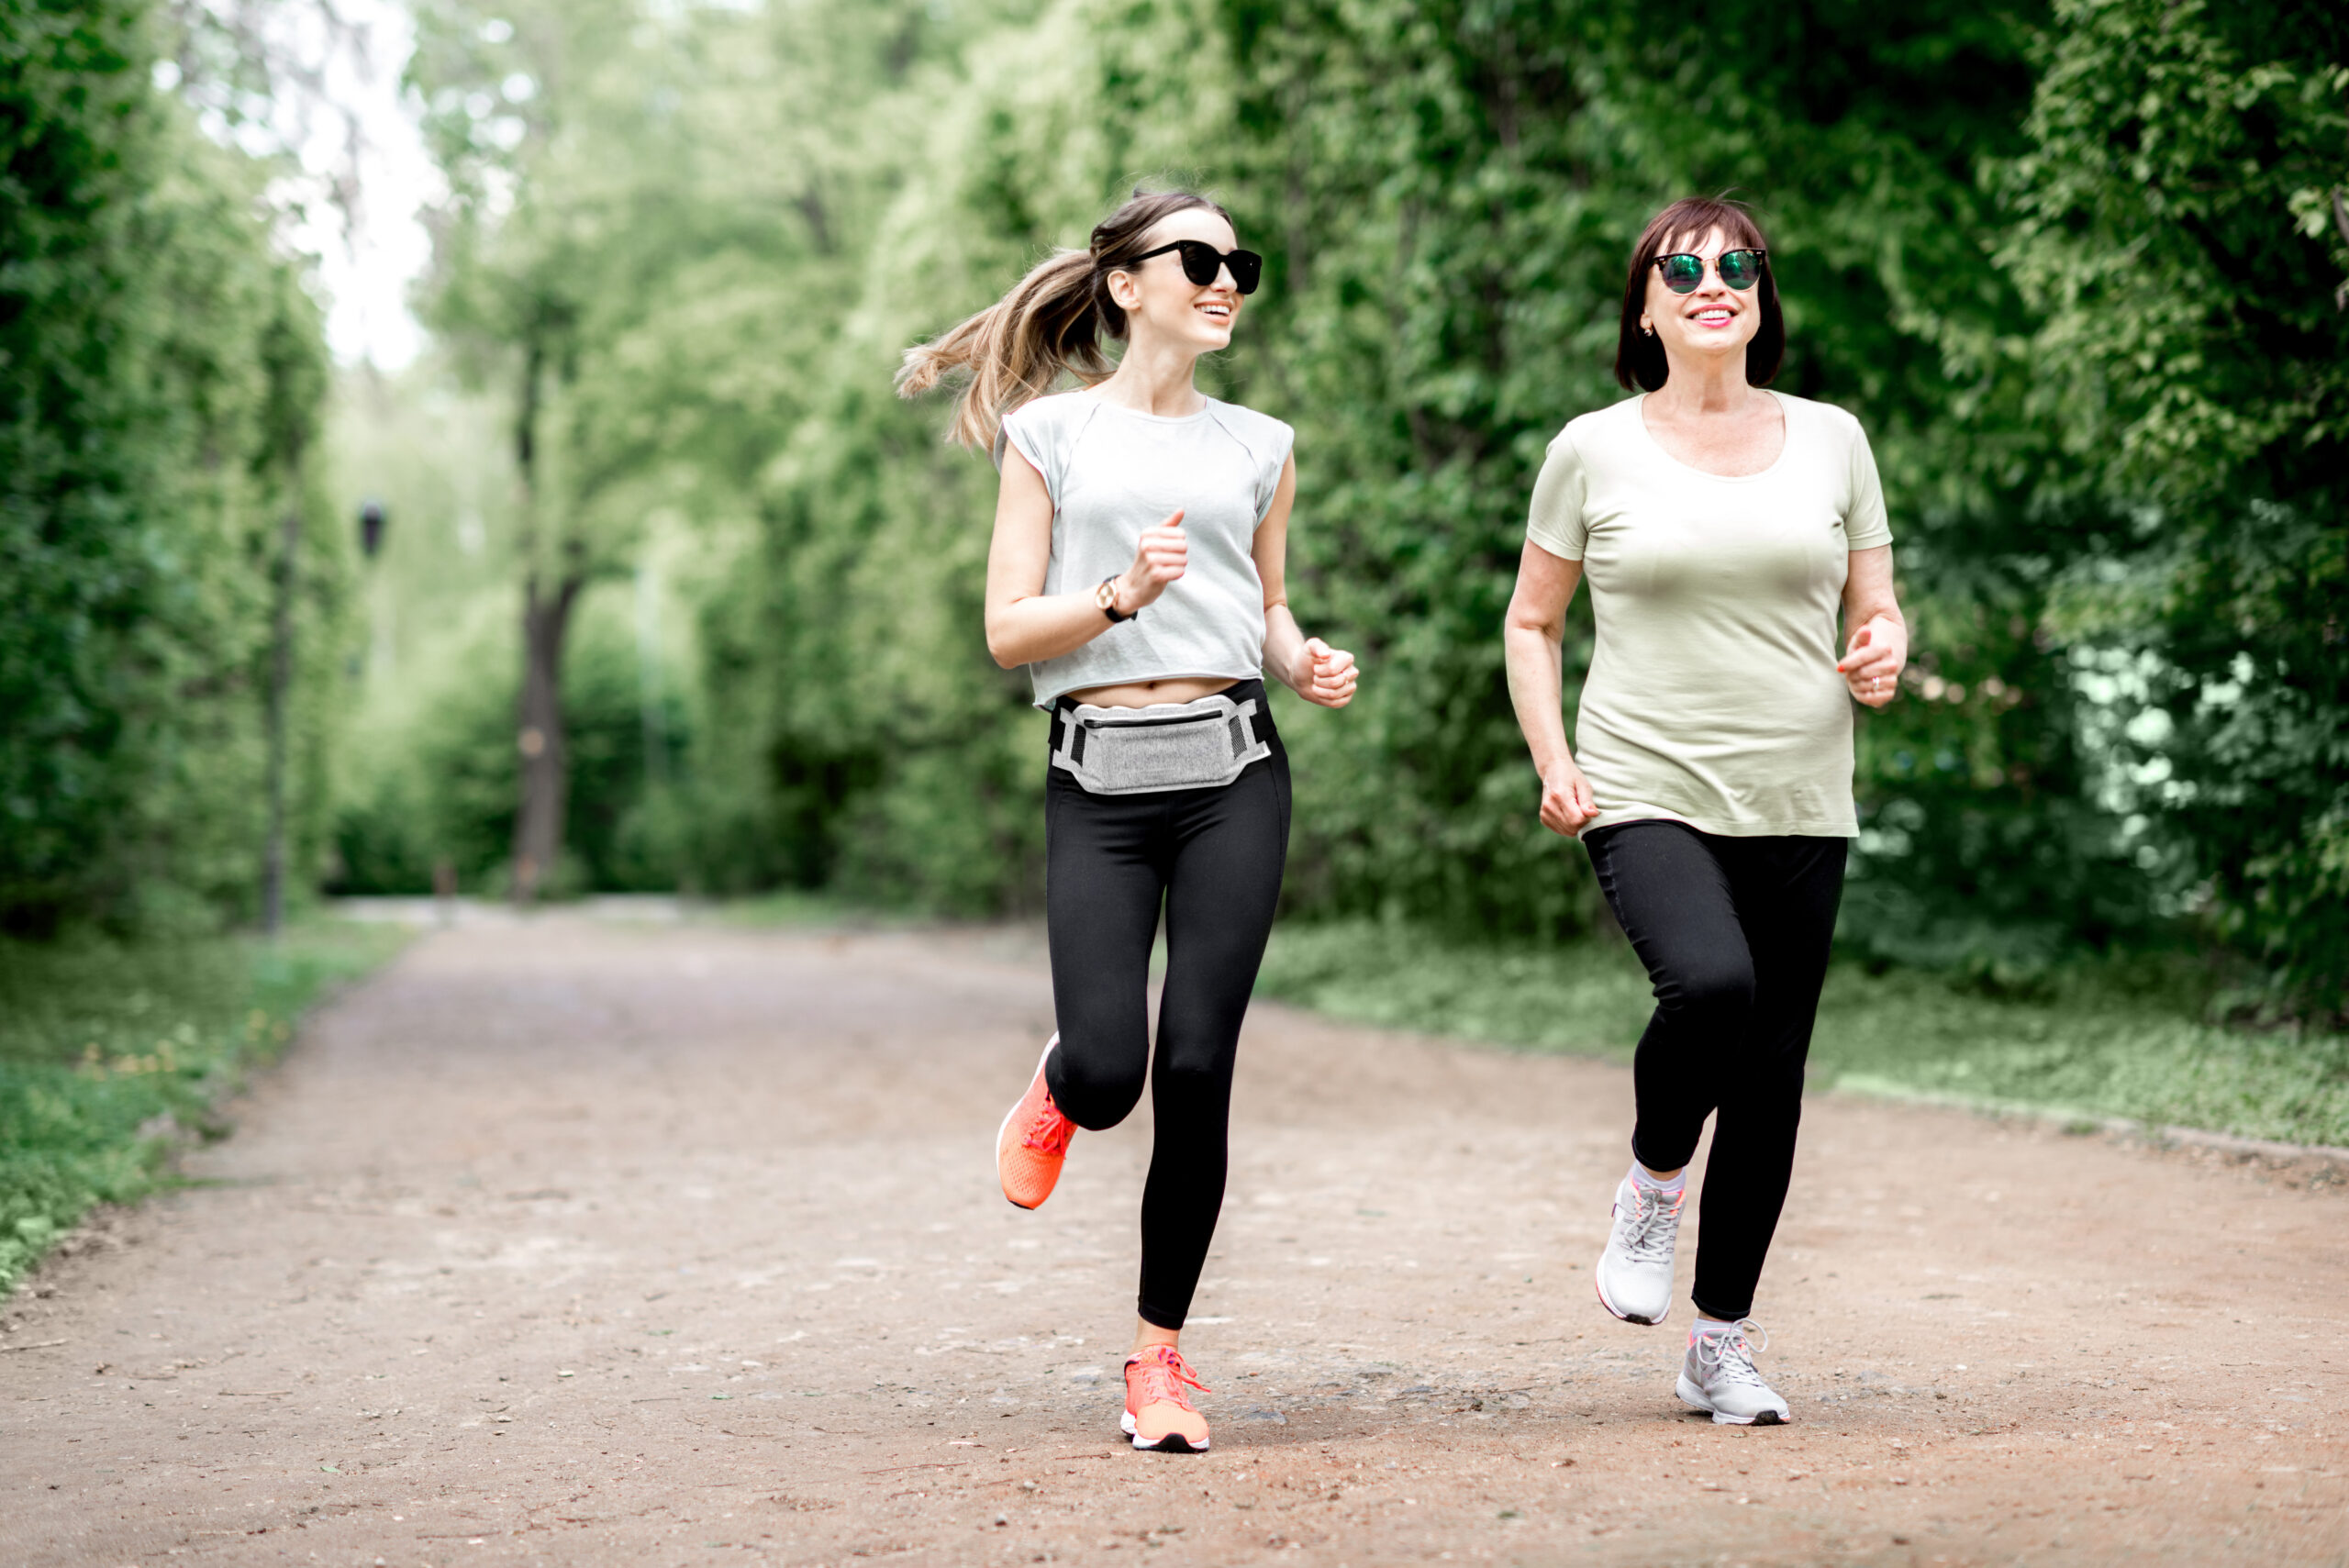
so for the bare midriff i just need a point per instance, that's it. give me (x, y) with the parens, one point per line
(1144, 693)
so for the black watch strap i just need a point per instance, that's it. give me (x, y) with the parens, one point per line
(1108, 601)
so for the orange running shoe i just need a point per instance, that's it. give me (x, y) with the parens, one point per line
(1159, 1414)
(1032, 1144)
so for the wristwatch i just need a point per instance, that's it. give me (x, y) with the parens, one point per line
(1105, 595)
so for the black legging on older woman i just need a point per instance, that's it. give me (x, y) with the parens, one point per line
(1734, 932)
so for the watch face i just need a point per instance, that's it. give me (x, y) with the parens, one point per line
(1105, 595)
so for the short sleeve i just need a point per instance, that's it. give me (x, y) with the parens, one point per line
(1032, 430)
(1864, 523)
(1268, 478)
(1557, 524)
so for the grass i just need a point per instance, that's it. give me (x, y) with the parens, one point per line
(2108, 1039)
(110, 1053)
(793, 906)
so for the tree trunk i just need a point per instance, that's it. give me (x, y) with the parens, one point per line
(280, 693)
(538, 826)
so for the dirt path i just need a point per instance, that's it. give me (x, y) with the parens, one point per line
(580, 1244)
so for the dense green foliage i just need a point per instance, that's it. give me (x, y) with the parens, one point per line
(2180, 235)
(433, 780)
(2115, 1038)
(1453, 237)
(161, 377)
(2074, 264)
(110, 1052)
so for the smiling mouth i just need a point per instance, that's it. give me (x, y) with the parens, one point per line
(1715, 315)
(1217, 311)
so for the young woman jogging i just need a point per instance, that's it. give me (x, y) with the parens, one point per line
(1137, 569)
(1721, 526)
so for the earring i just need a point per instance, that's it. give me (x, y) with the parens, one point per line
(1649, 330)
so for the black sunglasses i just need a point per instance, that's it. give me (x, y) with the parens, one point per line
(1202, 261)
(1741, 270)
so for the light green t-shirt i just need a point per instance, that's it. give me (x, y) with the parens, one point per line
(1712, 697)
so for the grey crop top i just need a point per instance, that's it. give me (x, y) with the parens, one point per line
(1112, 473)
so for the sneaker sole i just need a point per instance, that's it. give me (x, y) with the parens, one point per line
(1006, 1126)
(1173, 1442)
(1646, 1322)
(1694, 1397)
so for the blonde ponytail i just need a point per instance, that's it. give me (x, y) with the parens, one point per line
(1015, 349)
(1049, 325)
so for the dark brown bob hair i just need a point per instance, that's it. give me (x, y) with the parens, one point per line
(1639, 358)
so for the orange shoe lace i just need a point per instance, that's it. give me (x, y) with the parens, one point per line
(1052, 1130)
(1161, 1374)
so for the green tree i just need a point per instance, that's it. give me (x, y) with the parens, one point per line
(155, 355)
(650, 217)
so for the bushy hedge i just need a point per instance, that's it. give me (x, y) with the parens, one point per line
(162, 371)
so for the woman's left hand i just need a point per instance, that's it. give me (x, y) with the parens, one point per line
(1871, 666)
(1325, 674)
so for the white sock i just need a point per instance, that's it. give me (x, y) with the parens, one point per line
(1712, 1325)
(1677, 1185)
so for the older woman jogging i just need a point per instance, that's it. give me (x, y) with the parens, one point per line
(1721, 527)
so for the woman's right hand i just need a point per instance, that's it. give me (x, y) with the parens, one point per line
(1158, 558)
(1566, 803)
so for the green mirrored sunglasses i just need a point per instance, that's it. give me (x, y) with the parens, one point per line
(1740, 268)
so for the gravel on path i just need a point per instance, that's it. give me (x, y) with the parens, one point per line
(577, 1243)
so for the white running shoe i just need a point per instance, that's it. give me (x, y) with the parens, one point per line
(1635, 1274)
(1718, 1375)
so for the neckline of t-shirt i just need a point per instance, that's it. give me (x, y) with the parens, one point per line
(1206, 406)
(1786, 414)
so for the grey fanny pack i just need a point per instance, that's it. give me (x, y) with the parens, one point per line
(1133, 750)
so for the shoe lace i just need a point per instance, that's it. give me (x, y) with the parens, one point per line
(1161, 1373)
(1649, 1233)
(1050, 1131)
(1731, 1354)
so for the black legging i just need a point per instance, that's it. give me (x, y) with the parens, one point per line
(1734, 933)
(1213, 857)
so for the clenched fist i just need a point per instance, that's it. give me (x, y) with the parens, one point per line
(1160, 557)
(1324, 674)
(1567, 803)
